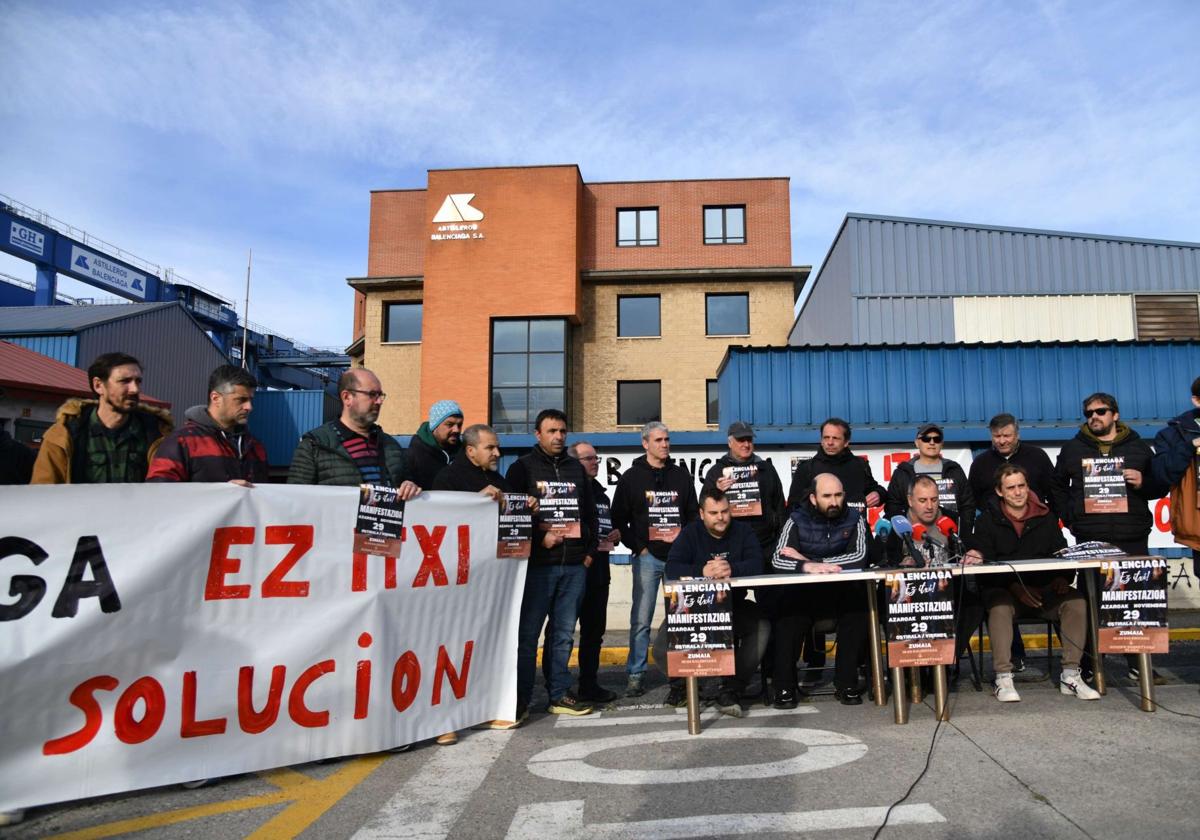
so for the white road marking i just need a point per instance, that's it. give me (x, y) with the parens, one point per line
(551, 819)
(825, 749)
(429, 803)
(618, 719)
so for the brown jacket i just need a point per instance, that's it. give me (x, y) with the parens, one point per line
(1185, 515)
(54, 460)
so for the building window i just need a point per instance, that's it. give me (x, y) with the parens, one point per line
(638, 316)
(725, 225)
(638, 402)
(711, 416)
(637, 226)
(529, 371)
(402, 322)
(727, 314)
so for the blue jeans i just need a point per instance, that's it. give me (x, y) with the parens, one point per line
(556, 590)
(647, 577)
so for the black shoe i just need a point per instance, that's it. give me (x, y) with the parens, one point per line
(1018, 665)
(785, 698)
(848, 696)
(727, 703)
(677, 696)
(768, 691)
(569, 704)
(1135, 675)
(597, 694)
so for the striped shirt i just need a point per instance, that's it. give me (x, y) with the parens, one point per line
(364, 451)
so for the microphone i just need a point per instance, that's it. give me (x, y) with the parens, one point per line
(948, 527)
(882, 527)
(904, 529)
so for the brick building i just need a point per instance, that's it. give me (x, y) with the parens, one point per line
(520, 288)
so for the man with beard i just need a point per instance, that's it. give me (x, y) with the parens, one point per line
(474, 470)
(214, 444)
(109, 440)
(353, 450)
(1094, 509)
(436, 443)
(822, 536)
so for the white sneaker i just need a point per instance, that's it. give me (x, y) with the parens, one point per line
(1004, 690)
(1071, 683)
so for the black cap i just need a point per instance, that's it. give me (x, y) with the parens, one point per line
(740, 429)
(930, 427)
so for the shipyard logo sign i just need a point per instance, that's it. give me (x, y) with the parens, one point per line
(457, 219)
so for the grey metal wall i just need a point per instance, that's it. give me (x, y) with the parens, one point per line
(62, 348)
(176, 354)
(279, 419)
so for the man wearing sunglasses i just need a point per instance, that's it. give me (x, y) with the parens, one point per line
(1116, 512)
(954, 491)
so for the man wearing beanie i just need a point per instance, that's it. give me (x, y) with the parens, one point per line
(436, 443)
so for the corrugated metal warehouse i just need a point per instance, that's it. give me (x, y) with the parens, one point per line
(177, 355)
(893, 280)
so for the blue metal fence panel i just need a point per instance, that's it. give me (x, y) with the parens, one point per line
(281, 417)
(62, 348)
(960, 386)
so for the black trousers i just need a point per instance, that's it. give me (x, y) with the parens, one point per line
(593, 621)
(750, 632)
(798, 608)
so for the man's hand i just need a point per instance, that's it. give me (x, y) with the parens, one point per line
(1133, 478)
(724, 483)
(815, 568)
(972, 558)
(1026, 596)
(788, 551)
(240, 482)
(614, 536)
(534, 505)
(873, 499)
(717, 570)
(492, 492)
(407, 490)
(587, 562)
(550, 539)
(1060, 586)
(908, 561)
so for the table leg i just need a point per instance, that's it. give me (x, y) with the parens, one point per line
(899, 696)
(1146, 682)
(1089, 582)
(915, 694)
(873, 637)
(940, 693)
(693, 705)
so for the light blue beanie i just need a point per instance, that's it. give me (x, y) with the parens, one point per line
(440, 410)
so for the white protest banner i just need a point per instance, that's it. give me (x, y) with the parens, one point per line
(152, 634)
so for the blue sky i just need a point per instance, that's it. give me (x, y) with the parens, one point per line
(189, 135)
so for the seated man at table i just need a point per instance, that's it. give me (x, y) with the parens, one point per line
(719, 547)
(1016, 525)
(822, 536)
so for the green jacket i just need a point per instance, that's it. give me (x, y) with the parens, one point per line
(321, 459)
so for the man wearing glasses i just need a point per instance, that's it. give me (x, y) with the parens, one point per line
(353, 450)
(954, 491)
(1099, 489)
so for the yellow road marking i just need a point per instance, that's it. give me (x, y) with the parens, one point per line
(310, 799)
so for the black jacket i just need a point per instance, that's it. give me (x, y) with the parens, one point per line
(855, 473)
(464, 476)
(841, 541)
(695, 547)
(604, 520)
(895, 550)
(631, 510)
(1034, 459)
(1133, 526)
(770, 491)
(1174, 452)
(527, 474)
(425, 460)
(996, 539)
(16, 460)
(902, 481)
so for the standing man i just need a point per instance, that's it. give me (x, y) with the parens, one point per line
(742, 474)
(108, 440)
(214, 444)
(1100, 484)
(1017, 526)
(654, 499)
(353, 450)
(823, 536)
(954, 491)
(436, 443)
(16, 460)
(1008, 449)
(861, 490)
(1176, 468)
(593, 612)
(718, 547)
(558, 561)
(474, 470)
